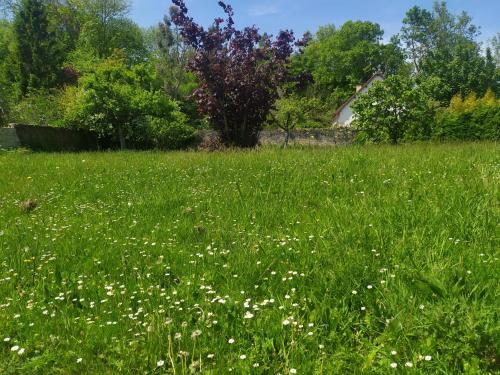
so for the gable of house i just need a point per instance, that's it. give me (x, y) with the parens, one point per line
(344, 116)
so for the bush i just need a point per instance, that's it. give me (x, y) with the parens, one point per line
(39, 107)
(301, 112)
(469, 119)
(171, 135)
(395, 110)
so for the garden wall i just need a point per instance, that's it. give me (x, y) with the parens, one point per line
(313, 137)
(47, 138)
(8, 138)
(338, 136)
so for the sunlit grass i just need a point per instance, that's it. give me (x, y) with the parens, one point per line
(358, 260)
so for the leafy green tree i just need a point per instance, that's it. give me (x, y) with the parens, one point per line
(37, 55)
(66, 19)
(395, 109)
(173, 56)
(120, 101)
(495, 49)
(444, 45)
(339, 59)
(105, 28)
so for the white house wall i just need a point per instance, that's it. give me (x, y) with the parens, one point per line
(346, 116)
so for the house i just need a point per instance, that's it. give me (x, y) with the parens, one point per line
(344, 115)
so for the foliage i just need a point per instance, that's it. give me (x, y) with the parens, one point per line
(371, 250)
(102, 24)
(239, 73)
(395, 109)
(36, 47)
(470, 119)
(173, 56)
(340, 59)
(495, 48)
(171, 134)
(301, 112)
(444, 45)
(115, 100)
(38, 107)
(170, 55)
(7, 91)
(122, 34)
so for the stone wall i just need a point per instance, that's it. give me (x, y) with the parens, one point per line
(313, 137)
(308, 137)
(45, 138)
(8, 138)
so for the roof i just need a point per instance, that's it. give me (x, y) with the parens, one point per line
(351, 99)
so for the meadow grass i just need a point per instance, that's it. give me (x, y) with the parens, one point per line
(376, 260)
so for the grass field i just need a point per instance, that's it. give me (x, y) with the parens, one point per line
(373, 260)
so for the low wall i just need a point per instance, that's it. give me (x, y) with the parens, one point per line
(8, 138)
(47, 138)
(307, 137)
(313, 137)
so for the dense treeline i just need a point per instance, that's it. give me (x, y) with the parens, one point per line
(86, 64)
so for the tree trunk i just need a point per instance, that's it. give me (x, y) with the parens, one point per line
(121, 137)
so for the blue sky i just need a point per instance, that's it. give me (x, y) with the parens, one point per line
(302, 15)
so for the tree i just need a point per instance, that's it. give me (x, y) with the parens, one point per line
(287, 115)
(173, 59)
(444, 45)
(340, 59)
(105, 28)
(37, 55)
(239, 73)
(121, 102)
(394, 109)
(7, 69)
(495, 48)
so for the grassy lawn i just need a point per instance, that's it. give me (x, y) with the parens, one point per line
(307, 261)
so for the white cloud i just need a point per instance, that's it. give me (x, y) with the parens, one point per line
(260, 10)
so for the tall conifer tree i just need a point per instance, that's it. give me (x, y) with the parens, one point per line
(36, 46)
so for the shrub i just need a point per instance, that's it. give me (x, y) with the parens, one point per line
(469, 119)
(301, 112)
(39, 107)
(395, 109)
(171, 135)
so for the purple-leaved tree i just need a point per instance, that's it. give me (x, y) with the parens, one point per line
(239, 72)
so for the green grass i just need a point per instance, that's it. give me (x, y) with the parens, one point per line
(337, 257)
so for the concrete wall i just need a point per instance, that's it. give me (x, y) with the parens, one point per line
(8, 138)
